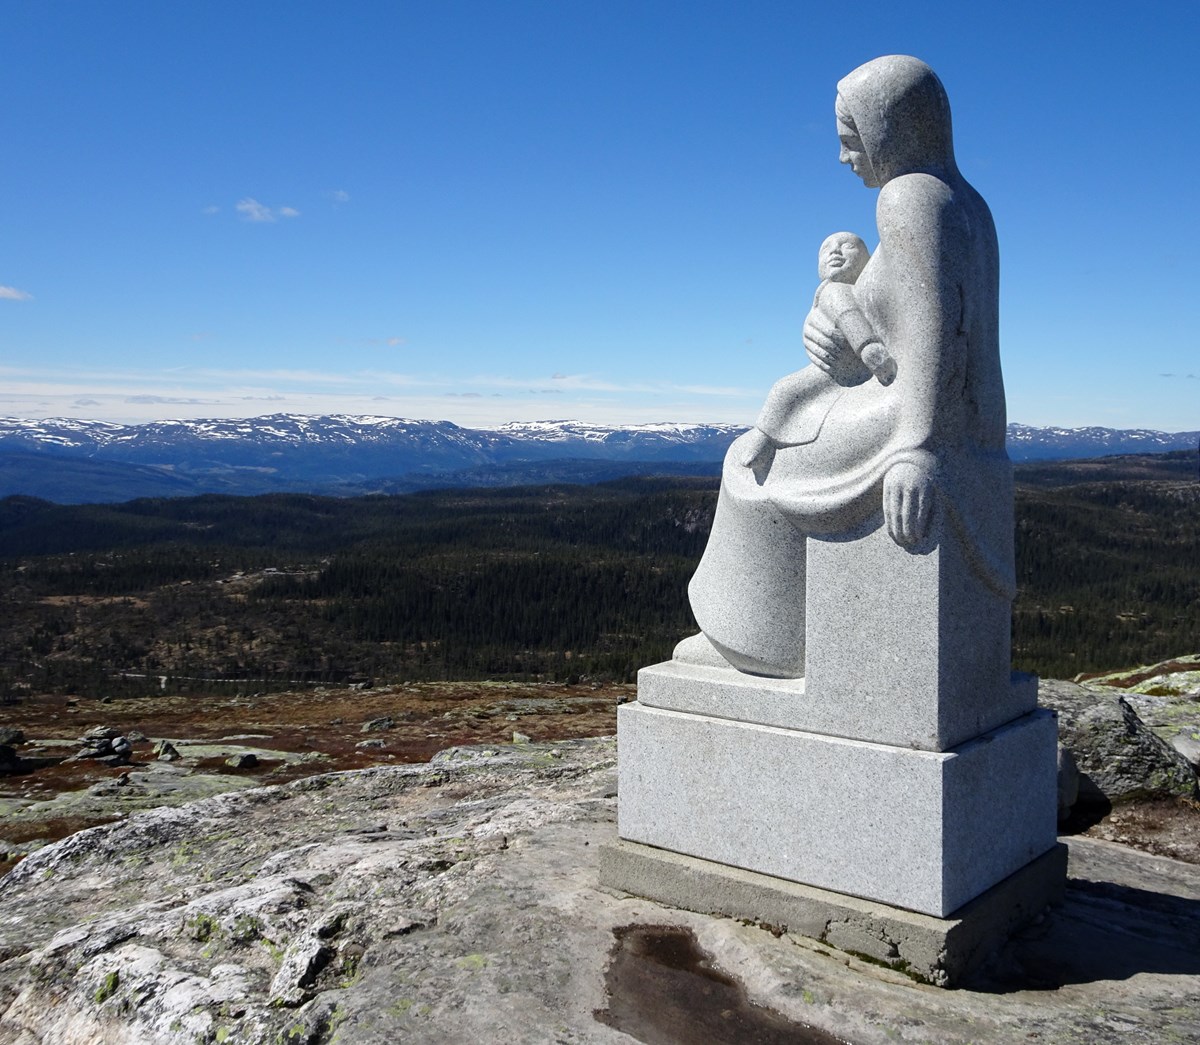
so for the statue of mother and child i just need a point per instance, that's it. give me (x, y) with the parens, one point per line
(899, 421)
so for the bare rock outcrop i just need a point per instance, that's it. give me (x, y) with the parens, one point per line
(457, 901)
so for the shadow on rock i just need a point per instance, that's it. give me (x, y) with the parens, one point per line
(1101, 931)
(664, 990)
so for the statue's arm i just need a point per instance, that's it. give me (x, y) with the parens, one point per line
(838, 302)
(917, 231)
(829, 349)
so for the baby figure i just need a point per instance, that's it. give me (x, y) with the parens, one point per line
(840, 262)
(792, 414)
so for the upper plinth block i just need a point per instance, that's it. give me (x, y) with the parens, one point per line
(901, 646)
(909, 641)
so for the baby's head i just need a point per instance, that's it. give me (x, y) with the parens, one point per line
(842, 257)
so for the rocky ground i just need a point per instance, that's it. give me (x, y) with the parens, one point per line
(50, 791)
(456, 899)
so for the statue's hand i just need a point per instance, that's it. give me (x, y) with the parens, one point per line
(880, 362)
(754, 451)
(829, 350)
(907, 503)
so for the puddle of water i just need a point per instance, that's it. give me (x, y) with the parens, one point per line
(664, 990)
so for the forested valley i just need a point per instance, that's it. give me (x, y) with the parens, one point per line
(557, 583)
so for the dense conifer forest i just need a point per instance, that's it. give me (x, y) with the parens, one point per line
(551, 582)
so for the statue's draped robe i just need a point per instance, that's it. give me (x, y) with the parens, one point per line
(931, 291)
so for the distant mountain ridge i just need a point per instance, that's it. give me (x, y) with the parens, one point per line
(1027, 443)
(75, 461)
(142, 442)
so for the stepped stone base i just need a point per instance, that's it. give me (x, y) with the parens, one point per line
(941, 951)
(923, 830)
(878, 716)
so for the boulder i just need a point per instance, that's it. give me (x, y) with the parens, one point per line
(100, 749)
(1068, 783)
(245, 760)
(1118, 757)
(11, 737)
(98, 743)
(10, 761)
(1188, 745)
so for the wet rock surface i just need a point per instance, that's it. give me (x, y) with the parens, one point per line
(457, 900)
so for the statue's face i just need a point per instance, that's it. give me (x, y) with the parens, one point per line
(841, 259)
(855, 155)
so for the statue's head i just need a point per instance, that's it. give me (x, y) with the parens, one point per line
(894, 118)
(842, 257)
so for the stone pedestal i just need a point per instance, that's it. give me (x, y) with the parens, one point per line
(908, 768)
(922, 830)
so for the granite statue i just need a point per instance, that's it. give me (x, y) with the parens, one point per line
(847, 726)
(900, 415)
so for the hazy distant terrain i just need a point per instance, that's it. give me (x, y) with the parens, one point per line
(541, 582)
(77, 462)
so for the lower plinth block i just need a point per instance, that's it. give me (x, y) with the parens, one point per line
(941, 951)
(927, 831)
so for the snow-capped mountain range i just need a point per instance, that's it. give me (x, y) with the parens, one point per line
(1027, 443)
(366, 445)
(73, 460)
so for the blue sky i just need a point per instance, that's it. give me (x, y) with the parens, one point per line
(527, 209)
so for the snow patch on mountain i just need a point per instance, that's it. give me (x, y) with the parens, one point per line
(563, 431)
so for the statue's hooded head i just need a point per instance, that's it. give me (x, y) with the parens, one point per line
(896, 108)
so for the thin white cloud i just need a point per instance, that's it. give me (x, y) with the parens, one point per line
(13, 294)
(205, 391)
(315, 377)
(173, 400)
(340, 196)
(576, 382)
(251, 210)
(12, 374)
(212, 208)
(590, 383)
(713, 390)
(391, 342)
